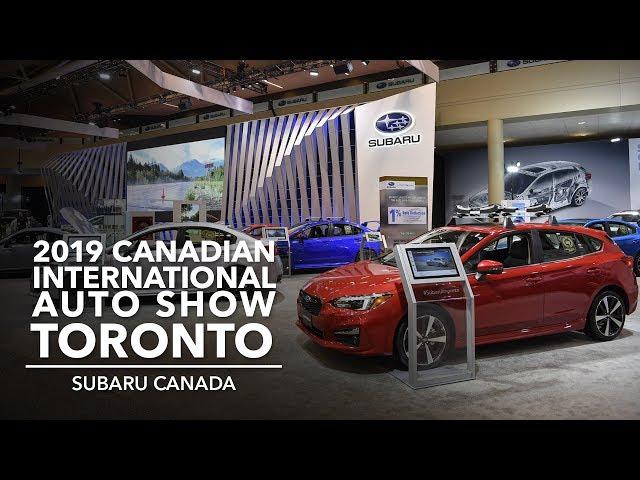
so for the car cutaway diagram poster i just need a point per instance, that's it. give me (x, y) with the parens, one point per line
(577, 180)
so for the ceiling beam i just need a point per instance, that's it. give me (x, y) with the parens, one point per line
(74, 98)
(130, 84)
(24, 120)
(62, 69)
(172, 68)
(189, 88)
(112, 91)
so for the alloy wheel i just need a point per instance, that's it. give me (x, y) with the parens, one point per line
(609, 316)
(431, 340)
(580, 197)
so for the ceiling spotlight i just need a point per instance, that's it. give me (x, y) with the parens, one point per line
(196, 71)
(92, 123)
(365, 62)
(615, 139)
(344, 67)
(313, 72)
(581, 123)
(104, 76)
(512, 168)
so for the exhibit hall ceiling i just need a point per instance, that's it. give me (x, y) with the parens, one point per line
(112, 93)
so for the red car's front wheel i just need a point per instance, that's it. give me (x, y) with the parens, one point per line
(434, 337)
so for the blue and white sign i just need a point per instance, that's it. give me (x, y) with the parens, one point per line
(398, 185)
(512, 64)
(392, 123)
(407, 215)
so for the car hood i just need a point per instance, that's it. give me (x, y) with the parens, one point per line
(359, 278)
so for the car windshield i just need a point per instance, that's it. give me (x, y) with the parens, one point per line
(463, 239)
(517, 182)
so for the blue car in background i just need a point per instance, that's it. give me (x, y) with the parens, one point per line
(325, 243)
(625, 234)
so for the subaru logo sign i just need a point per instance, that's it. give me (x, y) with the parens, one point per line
(282, 103)
(381, 85)
(513, 63)
(394, 122)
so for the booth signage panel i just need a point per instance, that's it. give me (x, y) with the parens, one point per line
(340, 92)
(395, 138)
(206, 117)
(154, 126)
(182, 121)
(292, 101)
(391, 83)
(513, 64)
(404, 203)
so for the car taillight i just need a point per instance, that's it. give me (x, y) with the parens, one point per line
(629, 261)
(587, 176)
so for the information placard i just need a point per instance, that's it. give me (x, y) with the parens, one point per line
(440, 340)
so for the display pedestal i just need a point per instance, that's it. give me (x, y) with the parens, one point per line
(440, 335)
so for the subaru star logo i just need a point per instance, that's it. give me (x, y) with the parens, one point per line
(381, 85)
(394, 122)
(282, 103)
(513, 63)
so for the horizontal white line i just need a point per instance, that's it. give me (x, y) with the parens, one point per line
(147, 366)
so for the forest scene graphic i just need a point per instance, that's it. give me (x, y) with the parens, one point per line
(188, 171)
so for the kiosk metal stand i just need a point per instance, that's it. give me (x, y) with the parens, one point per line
(421, 267)
(279, 234)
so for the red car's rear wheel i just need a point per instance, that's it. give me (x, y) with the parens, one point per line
(606, 316)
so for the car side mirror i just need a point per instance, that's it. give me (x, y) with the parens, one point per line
(489, 267)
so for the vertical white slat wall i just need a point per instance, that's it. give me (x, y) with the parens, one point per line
(285, 169)
(79, 179)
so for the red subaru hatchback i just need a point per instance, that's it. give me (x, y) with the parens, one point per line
(528, 280)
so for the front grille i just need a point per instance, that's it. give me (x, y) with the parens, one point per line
(310, 303)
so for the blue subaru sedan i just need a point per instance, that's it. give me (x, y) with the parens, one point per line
(327, 243)
(625, 234)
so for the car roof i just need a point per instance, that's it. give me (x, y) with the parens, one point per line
(549, 166)
(166, 225)
(521, 227)
(36, 229)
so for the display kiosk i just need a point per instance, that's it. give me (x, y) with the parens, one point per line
(368, 237)
(279, 234)
(434, 279)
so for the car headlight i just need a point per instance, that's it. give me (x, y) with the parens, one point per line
(361, 302)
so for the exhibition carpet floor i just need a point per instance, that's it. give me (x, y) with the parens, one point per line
(565, 376)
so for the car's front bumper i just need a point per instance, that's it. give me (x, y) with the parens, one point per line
(376, 328)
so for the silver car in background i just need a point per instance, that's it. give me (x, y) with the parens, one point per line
(556, 184)
(195, 232)
(17, 252)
